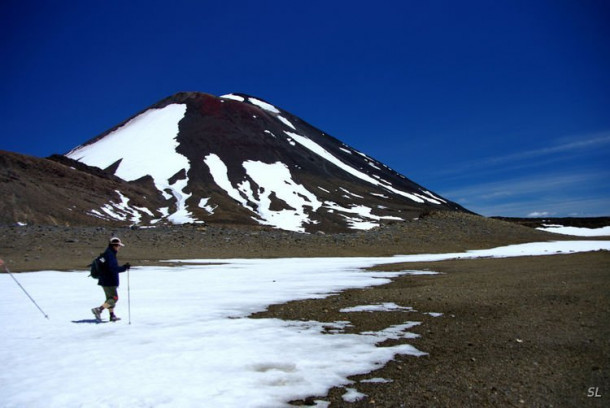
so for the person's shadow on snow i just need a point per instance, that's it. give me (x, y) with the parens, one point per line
(88, 321)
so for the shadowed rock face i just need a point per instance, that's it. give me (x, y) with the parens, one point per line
(236, 159)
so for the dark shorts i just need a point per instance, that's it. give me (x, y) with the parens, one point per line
(112, 295)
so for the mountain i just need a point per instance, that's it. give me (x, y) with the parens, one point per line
(237, 159)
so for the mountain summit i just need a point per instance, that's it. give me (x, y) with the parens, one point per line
(239, 159)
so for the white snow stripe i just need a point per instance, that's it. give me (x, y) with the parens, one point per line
(264, 105)
(320, 151)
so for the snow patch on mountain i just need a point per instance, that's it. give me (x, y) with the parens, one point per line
(156, 130)
(276, 178)
(121, 211)
(182, 214)
(320, 151)
(146, 145)
(220, 174)
(203, 203)
(234, 97)
(264, 105)
(362, 217)
(270, 179)
(286, 122)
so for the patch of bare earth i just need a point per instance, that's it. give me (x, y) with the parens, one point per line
(530, 331)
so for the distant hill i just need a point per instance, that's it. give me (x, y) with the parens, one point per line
(584, 222)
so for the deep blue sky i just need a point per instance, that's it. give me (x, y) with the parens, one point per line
(502, 106)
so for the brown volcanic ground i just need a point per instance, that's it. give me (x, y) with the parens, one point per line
(58, 191)
(529, 331)
(516, 332)
(39, 247)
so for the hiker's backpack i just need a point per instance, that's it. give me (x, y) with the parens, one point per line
(98, 266)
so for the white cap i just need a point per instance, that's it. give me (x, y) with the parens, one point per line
(116, 241)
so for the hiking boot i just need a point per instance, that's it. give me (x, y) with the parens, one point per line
(114, 318)
(97, 313)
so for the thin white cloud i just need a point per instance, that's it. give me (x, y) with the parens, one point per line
(576, 145)
(538, 214)
(560, 193)
(521, 186)
(592, 142)
(567, 207)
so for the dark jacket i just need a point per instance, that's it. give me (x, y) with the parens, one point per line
(110, 274)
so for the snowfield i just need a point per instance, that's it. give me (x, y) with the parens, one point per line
(576, 231)
(192, 343)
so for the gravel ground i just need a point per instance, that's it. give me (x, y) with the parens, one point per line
(517, 332)
(36, 247)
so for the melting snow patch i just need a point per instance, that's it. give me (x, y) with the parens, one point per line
(580, 232)
(397, 332)
(233, 97)
(121, 211)
(274, 178)
(286, 122)
(431, 200)
(368, 220)
(435, 197)
(182, 215)
(377, 380)
(203, 203)
(383, 307)
(220, 174)
(352, 395)
(373, 165)
(164, 212)
(420, 273)
(359, 224)
(264, 105)
(350, 193)
(320, 151)
(157, 130)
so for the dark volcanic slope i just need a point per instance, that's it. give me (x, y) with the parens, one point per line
(241, 131)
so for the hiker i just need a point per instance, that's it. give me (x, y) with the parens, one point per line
(109, 279)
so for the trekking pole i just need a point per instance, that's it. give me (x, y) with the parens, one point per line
(128, 298)
(25, 291)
